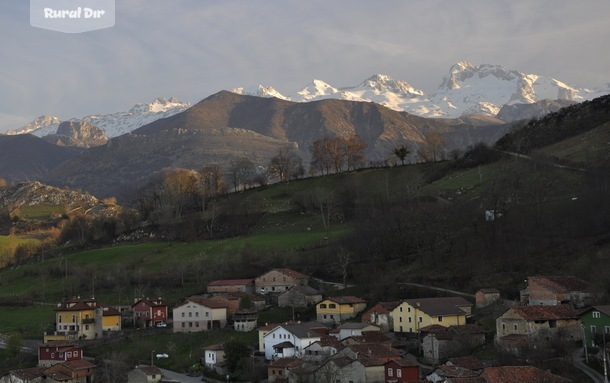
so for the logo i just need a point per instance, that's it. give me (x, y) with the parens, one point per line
(72, 16)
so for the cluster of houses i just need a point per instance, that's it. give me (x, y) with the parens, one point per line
(334, 348)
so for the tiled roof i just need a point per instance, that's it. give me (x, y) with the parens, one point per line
(78, 364)
(407, 361)
(329, 341)
(374, 350)
(355, 326)
(456, 372)
(150, 370)
(215, 347)
(532, 313)
(305, 290)
(231, 282)
(301, 331)
(286, 362)
(57, 343)
(150, 302)
(110, 311)
(373, 337)
(292, 273)
(56, 373)
(79, 306)
(490, 291)
(440, 306)
(561, 284)
(469, 362)
(520, 374)
(348, 299)
(213, 303)
(28, 373)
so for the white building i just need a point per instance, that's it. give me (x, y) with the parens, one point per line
(199, 314)
(288, 340)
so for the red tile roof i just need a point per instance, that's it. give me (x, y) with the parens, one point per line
(213, 303)
(469, 362)
(286, 362)
(150, 370)
(520, 374)
(232, 282)
(81, 364)
(440, 306)
(292, 273)
(348, 299)
(532, 313)
(28, 373)
(561, 284)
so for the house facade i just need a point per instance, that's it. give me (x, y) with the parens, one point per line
(347, 330)
(381, 315)
(232, 286)
(335, 310)
(596, 324)
(279, 280)
(404, 370)
(299, 296)
(556, 290)
(145, 374)
(76, 318)
(199, 314)
(111, 318)
(289, 340)
(58, 352)
(444, 343)
(76, 371)
(413, 314)
(149, 312)
(213, 355)
(486, 297)
(245, 320)
(341, 370)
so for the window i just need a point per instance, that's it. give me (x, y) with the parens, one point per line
(196, 324)
(400, 308)
(593, 329)
(440, 318)
(596, 314)
(86, 327)
(515, 327)
(190, 324)
(390, 372)
(190, 314)
(410, 320)
(607, 329)
(322, 305)
(183, 324)
(182, 315)
(73, 318)
(207, 314)
(60, 319)
(409, 309)
(399, 372)
(324, 316)
(68, 354)
(332, 306)
(197, 314)
(421, 319)
(52, 355)
(400, 319)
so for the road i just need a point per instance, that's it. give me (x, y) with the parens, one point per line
(578, 363)
(177, 377)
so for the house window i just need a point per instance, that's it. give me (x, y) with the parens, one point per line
(86, 327)
(409, 309)
(324, 316)
(60, 319)
(399, 372)
(197, 314)
(400, 319)
(332, 306)
(196, 324)
(440, 318)
(596, 314)
(190, 324)
(52, 355)
(190, 315)
(182, 315)
(400, 308)
(68, 354)
(410, 319)
(390, 372)
(322, 305)
(421, 319)
(207, 314)
(73, 318)
(183, 324)
(593, 329)
(515, 326)
(607, 329)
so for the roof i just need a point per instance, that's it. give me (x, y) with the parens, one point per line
(150, 302)
(456, 331)
(286, 362)
(347, 299)
(300, 331)
(355, 326)
(372, 337)
(328, 341)
(109, 311)
(215, 347)
(80, 364)
(605, 309)
(288, 272)
(408, 361)
(519, 374)
(149, 370)
(207, 302)
(469, 362)
(56, 372)
(284, 345)
(58, 343)
(457, 372)
(374, 350)
(440, 306)
(561, 284)
(305, 290)
(231, 282)
(28, 373)
(531, 313)
(489, 291)
(78, 306)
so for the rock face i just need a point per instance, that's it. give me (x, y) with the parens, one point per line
(515, 112)
(77, 133)
(36, 193)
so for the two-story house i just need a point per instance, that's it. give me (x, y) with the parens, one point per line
(149, 312)
(199, 314)
(111, 318)
(381, 315)
(75, 318)
(413, 314)
(403, 370)
(335, 310)
(596, 325)
(523, 326)
(145, 374)
(214, 356)
(279, 280)
(352, 329)
(58, 352)
(556, 290)
(289, 340)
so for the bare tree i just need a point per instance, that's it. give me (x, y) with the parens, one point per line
(324, 200)
(354, 152)
(285, 164)
(242, 171)
(432, 147)
(344, 257)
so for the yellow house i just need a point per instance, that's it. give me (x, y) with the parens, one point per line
(337, 309)
(111, 318)
(413, 314)
(75, 318)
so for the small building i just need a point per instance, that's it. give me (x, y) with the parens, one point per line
(413, 314)
(352, 329)
(595, 323)
(381, 315)
(245, 320)
(145, 374)
(324, 348)
(58, 352)
(199, 314)
(486, 297)
(403, 370)
(556, 290)
(279, 369)
(341, 369)
(279, 280)
(334, 310)
(232, 286)
(442, 343)
(111, 318)
(299, 296)
(214, 356)
(76, 371)
(289, 340)
(149, 312)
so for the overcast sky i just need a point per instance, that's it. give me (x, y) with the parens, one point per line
(193, 48)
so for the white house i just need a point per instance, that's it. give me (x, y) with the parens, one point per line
(354, 329)
(213, 355)
(199, 314)
(288, 340)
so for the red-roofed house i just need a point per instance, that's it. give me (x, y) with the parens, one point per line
(404, 370)
(279, 280)
(232, 286)
(76, 371)
(279, 369)
(199, 314)
(337, 309)
(58, 352)
(145, 374)
(149, 312)
(557, 290)
(381, 315)
(537, 324)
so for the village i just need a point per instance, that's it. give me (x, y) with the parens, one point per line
(350, 341)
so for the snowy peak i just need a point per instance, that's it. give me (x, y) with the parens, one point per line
(317, 89)
(260, 91)
(380, 83)
(38, 123)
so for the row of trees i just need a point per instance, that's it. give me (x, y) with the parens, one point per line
(335, 154)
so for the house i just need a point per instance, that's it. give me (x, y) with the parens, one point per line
(299, 296)
(556, 290)
(369, 337)
(279, 280)
(326, 347)
(537, 325)
(403, 370)
(26, 375)
(486, 297)
(347, 330)
(75, 371)
(341, 370)
(373, 357)
(289, 340)
(518, 374)
(199, 314)
(245, 320)
(149, 312)
(413, 314)
(214, 357)
(335, 310)
(279, 369)
(75, 318)
(595, 323)
(111, 318)
(238, 300)
(454, 374)
(145, 374)
(58, 352)
(232, 286)
(381, 315)
(262, 332)
(441, 343)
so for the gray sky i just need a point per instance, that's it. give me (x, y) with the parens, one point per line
(193, 48)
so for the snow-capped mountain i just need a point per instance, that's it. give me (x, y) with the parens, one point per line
(467, 89)
(114, 124)
(38, 123)
(260, 91)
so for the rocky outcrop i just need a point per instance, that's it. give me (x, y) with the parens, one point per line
(77, 133)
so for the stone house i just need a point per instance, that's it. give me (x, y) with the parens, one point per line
(299, 296)
(441, 344)
(381, 315)
(341, 370)
(486, 297)
(556, 290)
(279, 280)
(231, 286)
